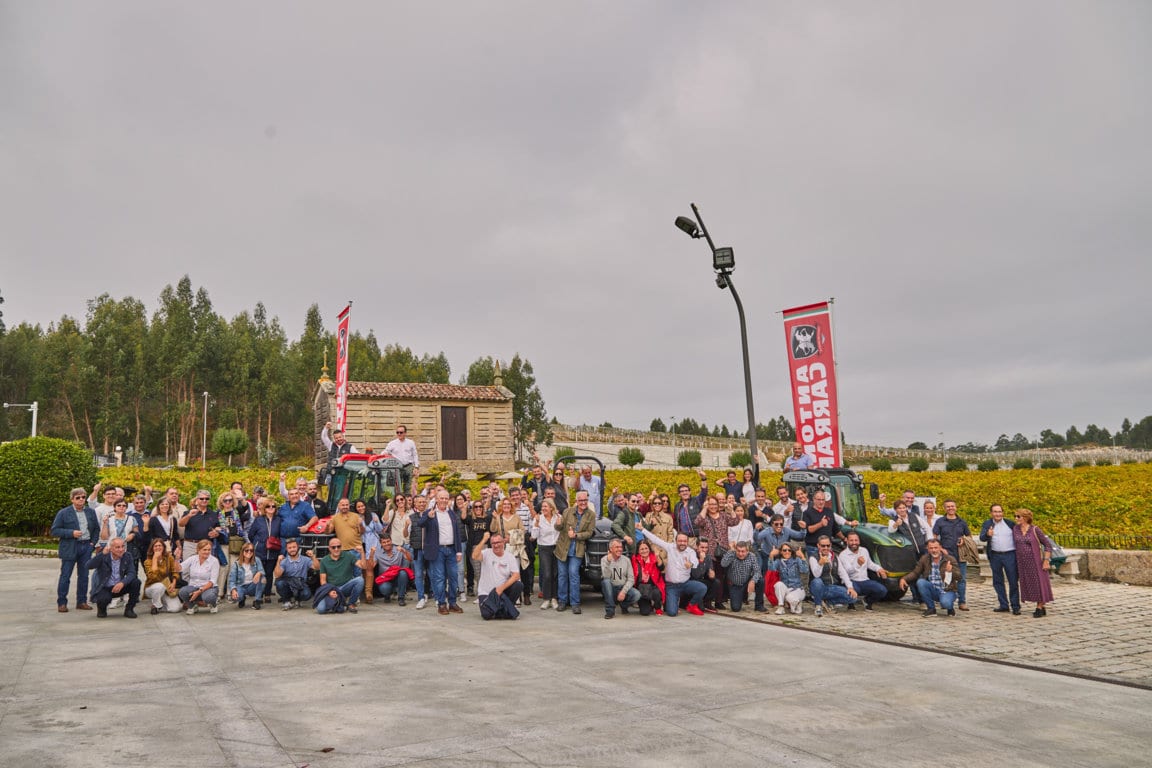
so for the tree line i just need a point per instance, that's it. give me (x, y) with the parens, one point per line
(779, 428)
(121, 378)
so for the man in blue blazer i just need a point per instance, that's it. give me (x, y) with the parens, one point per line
(78, 530)
(442, 551)
(115, 577)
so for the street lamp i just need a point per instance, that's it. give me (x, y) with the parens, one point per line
(204, 437)
(33, 408)
(724, 262)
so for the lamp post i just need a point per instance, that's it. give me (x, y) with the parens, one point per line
(724, 262)
(204, 437)
(33, 408)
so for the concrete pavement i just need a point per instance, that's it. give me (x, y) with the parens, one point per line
(394, 686)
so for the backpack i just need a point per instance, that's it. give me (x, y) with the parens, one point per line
(495, 606)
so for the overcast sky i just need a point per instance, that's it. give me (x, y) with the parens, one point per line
(972, 182)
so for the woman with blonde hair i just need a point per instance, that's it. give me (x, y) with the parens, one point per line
(161, 571)
(202, 572)
(246, 577)
(1033, 562)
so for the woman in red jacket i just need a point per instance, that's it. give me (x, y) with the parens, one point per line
(649, 579)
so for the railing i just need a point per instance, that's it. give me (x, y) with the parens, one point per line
(1090, 541)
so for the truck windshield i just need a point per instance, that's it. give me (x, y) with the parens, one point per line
(849, 503)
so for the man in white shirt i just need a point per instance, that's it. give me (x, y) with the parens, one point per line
(405, 450)
(996, 533)
(855, 564)
(678, 574)
(499, 571)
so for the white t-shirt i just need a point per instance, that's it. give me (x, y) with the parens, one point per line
(494, 570)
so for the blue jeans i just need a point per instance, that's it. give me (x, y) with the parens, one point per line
(610, 592)
(932, 594)
(871, 591)
(351, 590)
(80, 564)
(738, 592)
(293, 588)
(569, 591)
(398, 586)
(962, 587)
(694, 589)
(444, 584)
(255, 589)
(833, 594)
(418, 559)
(1003, 566)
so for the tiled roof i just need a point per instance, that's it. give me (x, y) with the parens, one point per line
(399, 391)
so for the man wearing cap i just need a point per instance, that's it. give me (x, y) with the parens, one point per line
(78, 530)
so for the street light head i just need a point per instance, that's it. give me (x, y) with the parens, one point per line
(723, 260)
(687, 226)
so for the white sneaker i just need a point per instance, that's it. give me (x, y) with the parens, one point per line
(545, 604)
(214, 609)
(191, 610)
(421, 603)
(553, 604)
(117, 603)
(819, 611)
(780, 611)
(798, 608)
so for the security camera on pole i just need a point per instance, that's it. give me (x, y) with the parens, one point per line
(724, 262)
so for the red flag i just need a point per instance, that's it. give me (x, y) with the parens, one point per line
(342, 369)
(812, 372)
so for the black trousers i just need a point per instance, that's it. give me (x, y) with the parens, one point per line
(103, 594)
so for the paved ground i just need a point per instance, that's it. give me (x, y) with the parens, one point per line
(395, 686)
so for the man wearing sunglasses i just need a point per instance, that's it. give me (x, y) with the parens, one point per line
(404, 450)
(340, 581)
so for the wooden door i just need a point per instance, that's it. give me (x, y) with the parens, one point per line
(453, 432)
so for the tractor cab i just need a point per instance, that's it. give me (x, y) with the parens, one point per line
(845, 491)
(375, 478)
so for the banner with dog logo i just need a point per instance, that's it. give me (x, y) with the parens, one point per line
(812, 373)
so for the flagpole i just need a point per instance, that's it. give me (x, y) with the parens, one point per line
(836, 371)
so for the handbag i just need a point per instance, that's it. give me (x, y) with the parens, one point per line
(273, 544)
(968, 551)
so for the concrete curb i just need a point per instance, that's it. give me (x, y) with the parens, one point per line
(28, 551)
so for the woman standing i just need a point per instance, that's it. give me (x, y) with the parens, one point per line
(160, 573)
(545, 532)
(751, 482)
(396, 514)
(163, 527)
(371, 540)
(264, 530)
(1033, 561)
(476, 530)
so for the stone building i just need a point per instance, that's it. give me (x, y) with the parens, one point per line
(467, 427)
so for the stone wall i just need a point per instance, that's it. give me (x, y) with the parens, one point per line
(1123, 566)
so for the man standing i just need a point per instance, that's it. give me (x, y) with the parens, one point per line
(828, 582)
(591, 484)
(576, 526)
(996, 533)
(855, 564)
(911, 526)
(819, 521)
(499, 573)
(689, 506)
(948, 530)
(617, 580)
(404, 450)
(115, 578)
(296, 516)
(909, 499)
(442, 551)
(935, 577)
(744, 575)
(760, 511)
(799, 459)
(78, 529)
(340, 579)
(678, 574)
(336, 445)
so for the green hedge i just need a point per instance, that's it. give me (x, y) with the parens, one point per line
(1050, 464)
(1023, 463)
(956, 464)
(987, 465)
(36, 474)
(630, 457)
(739, 459)
(689, 458)
(881, 465)
(918, 464)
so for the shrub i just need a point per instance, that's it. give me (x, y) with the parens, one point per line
(36, 474)
(689, 458)
(1104, 461)
(880, 465)
(1050, 464)
(562, 451)
(1130, 461)
(1023, 463)
(1081, 463)
(956, 464)
(918, 464)
(630, 457)
(740, 459)
(229, 442)
(987, 465)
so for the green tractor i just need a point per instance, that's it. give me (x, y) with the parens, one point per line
(894, 552)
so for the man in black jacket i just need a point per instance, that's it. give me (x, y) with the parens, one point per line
(115, 577)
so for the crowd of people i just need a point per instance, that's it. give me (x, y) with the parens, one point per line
(702, 552)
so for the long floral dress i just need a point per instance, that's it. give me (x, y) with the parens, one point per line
(1035, 586)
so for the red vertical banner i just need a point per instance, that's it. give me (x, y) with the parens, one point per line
(812, 373)
(342, 369)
